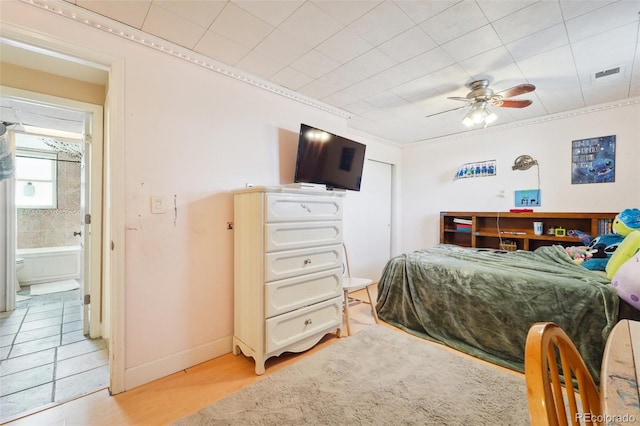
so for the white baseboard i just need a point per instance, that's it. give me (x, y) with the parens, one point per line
(142, 374)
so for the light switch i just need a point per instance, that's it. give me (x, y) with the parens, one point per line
(158, 204)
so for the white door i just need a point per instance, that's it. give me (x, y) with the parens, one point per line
(85, 197)
(367, 221)
(91, 220)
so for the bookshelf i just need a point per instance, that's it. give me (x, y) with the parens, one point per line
(514, 231)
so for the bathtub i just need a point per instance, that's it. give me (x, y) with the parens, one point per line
(43, 265)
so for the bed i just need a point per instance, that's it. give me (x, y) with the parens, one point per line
(483, 301)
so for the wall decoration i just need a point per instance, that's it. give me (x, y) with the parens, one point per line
(478, 169)
(528, 198)
(593, 160)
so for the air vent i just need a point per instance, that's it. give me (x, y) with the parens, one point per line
(608, 72)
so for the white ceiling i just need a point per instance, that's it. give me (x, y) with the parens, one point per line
(391, 63)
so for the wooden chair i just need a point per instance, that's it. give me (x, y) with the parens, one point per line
(547, 345)
(351, 284)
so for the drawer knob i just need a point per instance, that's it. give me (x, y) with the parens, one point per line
(307, 261)
(308, 322)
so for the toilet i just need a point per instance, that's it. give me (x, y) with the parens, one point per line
(19, 267)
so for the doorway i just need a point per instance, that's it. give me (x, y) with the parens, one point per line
(52, 345)
(368, 220)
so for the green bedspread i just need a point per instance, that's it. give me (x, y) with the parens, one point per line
(483, 302)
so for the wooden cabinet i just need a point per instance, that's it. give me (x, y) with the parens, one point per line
(287, 270)
(513, 231)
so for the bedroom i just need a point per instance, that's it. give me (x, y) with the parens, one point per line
(188, 280)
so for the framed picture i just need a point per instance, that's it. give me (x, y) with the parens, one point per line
(527, 198)
(478, 169)
(593, 160)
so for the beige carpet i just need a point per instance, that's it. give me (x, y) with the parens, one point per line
(376, 377)
(54, 287)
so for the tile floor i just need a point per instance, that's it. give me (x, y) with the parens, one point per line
(44, 357)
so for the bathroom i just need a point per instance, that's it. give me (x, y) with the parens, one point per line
(46, 355)
(48, 221)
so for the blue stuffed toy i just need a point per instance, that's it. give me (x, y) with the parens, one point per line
(602, 248)
(626, 229)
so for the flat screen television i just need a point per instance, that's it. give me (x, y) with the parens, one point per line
(328, 159)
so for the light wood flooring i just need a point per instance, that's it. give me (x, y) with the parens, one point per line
(170, 398)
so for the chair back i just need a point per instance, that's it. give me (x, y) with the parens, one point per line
(346, 267)
(551, 356)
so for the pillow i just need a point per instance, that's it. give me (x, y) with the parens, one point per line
(627, 248)
(602, 248)
(626, 281)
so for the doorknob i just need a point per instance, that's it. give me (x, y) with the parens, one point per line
(77, 233)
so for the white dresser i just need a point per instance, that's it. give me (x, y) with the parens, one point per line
(287, 270)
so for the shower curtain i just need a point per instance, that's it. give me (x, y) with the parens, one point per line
(6, 160)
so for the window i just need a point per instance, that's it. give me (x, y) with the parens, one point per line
(36, 179)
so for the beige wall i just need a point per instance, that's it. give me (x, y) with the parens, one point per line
(50, 84)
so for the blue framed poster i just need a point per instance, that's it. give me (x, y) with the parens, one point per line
(527, 198)
(593, 160)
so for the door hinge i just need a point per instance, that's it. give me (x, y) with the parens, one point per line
(87, 299)
(87, 219)
(113, 246)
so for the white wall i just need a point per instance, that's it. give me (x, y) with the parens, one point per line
(428, 169)
(192, 136)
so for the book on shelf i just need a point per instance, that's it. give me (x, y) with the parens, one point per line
(605, 226)
(463, 227)
(462, 221)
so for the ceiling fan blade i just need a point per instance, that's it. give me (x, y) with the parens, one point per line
(442, 112)
(507, 103)
(457, 98)
(516, 90)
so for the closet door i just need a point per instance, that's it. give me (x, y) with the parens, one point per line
(367, 221)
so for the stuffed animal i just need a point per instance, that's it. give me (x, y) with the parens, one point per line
(626, 281)
(627, 224)
(626, 221)
(578, 253)
(602, 249)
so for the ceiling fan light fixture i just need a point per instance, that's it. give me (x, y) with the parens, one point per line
(468, 121)
(490, 118)
(482, 96)
(479, 114)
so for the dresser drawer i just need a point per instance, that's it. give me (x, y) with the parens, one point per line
(289, 328)
(286, 295)
(288, 236)
(291, 207)
(286, 264)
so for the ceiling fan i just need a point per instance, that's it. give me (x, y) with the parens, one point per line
(482, 96)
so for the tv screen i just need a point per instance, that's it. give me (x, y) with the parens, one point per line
(328, 159)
